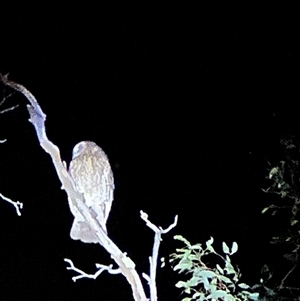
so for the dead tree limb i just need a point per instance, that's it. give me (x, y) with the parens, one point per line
(125, 265)
(37, 118)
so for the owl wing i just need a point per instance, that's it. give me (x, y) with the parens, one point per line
(98, 192)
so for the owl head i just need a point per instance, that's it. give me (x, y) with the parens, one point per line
(81, 147)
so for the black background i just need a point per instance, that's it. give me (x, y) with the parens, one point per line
(189, 103)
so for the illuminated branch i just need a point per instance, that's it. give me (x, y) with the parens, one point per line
(37, 118)
(17, 204)
(153, 259)
(125, 265)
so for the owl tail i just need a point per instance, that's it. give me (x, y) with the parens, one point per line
(82, 231)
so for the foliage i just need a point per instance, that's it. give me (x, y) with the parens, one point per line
(207, 283)
(285, 176)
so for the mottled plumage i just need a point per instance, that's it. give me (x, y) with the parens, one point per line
(93, 177)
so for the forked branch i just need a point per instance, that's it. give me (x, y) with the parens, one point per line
(125, 265)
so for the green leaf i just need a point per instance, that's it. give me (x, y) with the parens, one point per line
(207, 274)
(254, 296)
(217, 294)
(180, 284)
(197, 294)
(209, 242)
(225, 279)
(209, 246)
(205, 283)
(229, 268)
(196, 247)
(243, 285)
(214, 281)
(220, 269)
(181, 250)
(193, 257)
(182, 266)
(265, 210)
(294, 222)
(181, 238)
(193, 282)
(225, 248)
(234, 248)
(229, 298)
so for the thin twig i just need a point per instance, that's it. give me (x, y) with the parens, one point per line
(8, 109)
(18, 205)
(82, 274)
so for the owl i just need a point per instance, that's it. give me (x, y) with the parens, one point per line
(93, 177)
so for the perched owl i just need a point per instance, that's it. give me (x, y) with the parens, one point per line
(93, 178)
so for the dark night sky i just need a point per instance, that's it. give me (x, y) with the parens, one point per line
(189, 103)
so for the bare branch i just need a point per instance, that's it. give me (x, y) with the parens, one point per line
(153, 259)
(17, 204)
(5, 98)
(9, 109)
(101, 268)
(281, 286)
(6, 110)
